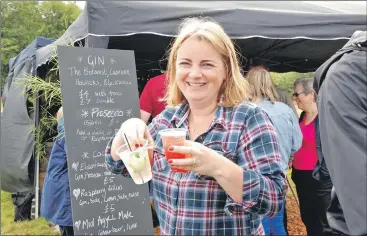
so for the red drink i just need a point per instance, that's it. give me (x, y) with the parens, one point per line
(173, 137)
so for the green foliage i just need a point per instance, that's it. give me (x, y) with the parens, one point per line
(23, 21)
(56, 17)
(285, 81)
(49, 93)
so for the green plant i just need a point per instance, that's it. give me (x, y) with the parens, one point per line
(48, 93)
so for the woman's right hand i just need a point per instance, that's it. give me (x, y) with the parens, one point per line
(135, 130)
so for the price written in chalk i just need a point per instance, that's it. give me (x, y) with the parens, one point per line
(99, 91)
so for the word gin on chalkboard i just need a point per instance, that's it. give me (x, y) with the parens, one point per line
(99, 92)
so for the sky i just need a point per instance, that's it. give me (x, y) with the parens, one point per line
(80, 4)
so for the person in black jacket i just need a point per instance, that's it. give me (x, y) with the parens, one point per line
(341, 83)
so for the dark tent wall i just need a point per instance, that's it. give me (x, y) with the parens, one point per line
(292, 35)
(26, 54)
(17, 140)
(282, 55)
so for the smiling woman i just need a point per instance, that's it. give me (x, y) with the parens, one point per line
(231, 149)
(199, 78)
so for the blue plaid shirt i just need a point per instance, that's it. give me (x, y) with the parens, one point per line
(192, 204)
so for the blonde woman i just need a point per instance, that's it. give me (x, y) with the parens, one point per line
(234, 175)
(286, 125)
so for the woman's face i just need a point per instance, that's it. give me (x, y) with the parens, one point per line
(200, 71)
(304, 101)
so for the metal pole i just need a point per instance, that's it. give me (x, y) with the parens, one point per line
(36, 155)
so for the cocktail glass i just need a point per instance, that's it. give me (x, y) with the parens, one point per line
(137, 162)
(173, 137)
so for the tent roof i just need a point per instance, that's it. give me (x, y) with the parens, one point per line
(241, 20)
(29, 51)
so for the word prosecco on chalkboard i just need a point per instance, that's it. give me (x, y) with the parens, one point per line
(99, 92)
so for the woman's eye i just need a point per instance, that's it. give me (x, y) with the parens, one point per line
(207, 65)
(184, 63)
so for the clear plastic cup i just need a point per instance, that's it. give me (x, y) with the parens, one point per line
(137, 162)
(173, 137)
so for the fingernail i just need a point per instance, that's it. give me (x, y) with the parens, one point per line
(170, 161)
(141, 145)
(170, 149)
(136, 145)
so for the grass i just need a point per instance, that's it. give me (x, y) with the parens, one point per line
(39, 226)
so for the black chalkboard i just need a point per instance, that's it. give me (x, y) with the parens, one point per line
(99, 92)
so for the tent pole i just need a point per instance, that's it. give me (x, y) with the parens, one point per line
(37, 158)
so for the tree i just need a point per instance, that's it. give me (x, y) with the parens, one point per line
(22, 22)
(56, 17)
(285, 81)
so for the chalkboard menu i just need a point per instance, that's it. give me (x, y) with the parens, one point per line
(99, 92)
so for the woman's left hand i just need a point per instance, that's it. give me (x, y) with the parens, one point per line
(201, 160)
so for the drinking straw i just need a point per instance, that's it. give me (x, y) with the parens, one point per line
(127, 141)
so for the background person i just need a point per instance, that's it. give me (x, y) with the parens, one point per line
(287, 128)
(55, 204)
(313, 193)
(282, 96)
(150, 103)
(235, 161)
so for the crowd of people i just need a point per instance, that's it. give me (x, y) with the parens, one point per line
(243, 136)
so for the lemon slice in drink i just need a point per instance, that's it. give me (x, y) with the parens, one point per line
(136, 162)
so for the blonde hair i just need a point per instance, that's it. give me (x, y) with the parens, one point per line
(262, 85)
(235, 88)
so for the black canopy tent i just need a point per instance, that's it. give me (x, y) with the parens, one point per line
(290, 35)
(17, 140)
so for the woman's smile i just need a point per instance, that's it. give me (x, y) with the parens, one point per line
(194, 84)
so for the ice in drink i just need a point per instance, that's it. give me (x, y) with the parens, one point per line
(137, 162)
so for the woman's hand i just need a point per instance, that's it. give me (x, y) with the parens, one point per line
(206, 161)
(201, 160)
(135, 130)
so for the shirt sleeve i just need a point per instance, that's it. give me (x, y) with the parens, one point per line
(146, 99)
(116, 167)
(153, 127)
(263, 180)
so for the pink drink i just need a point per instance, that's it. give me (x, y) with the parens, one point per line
(173, 137)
